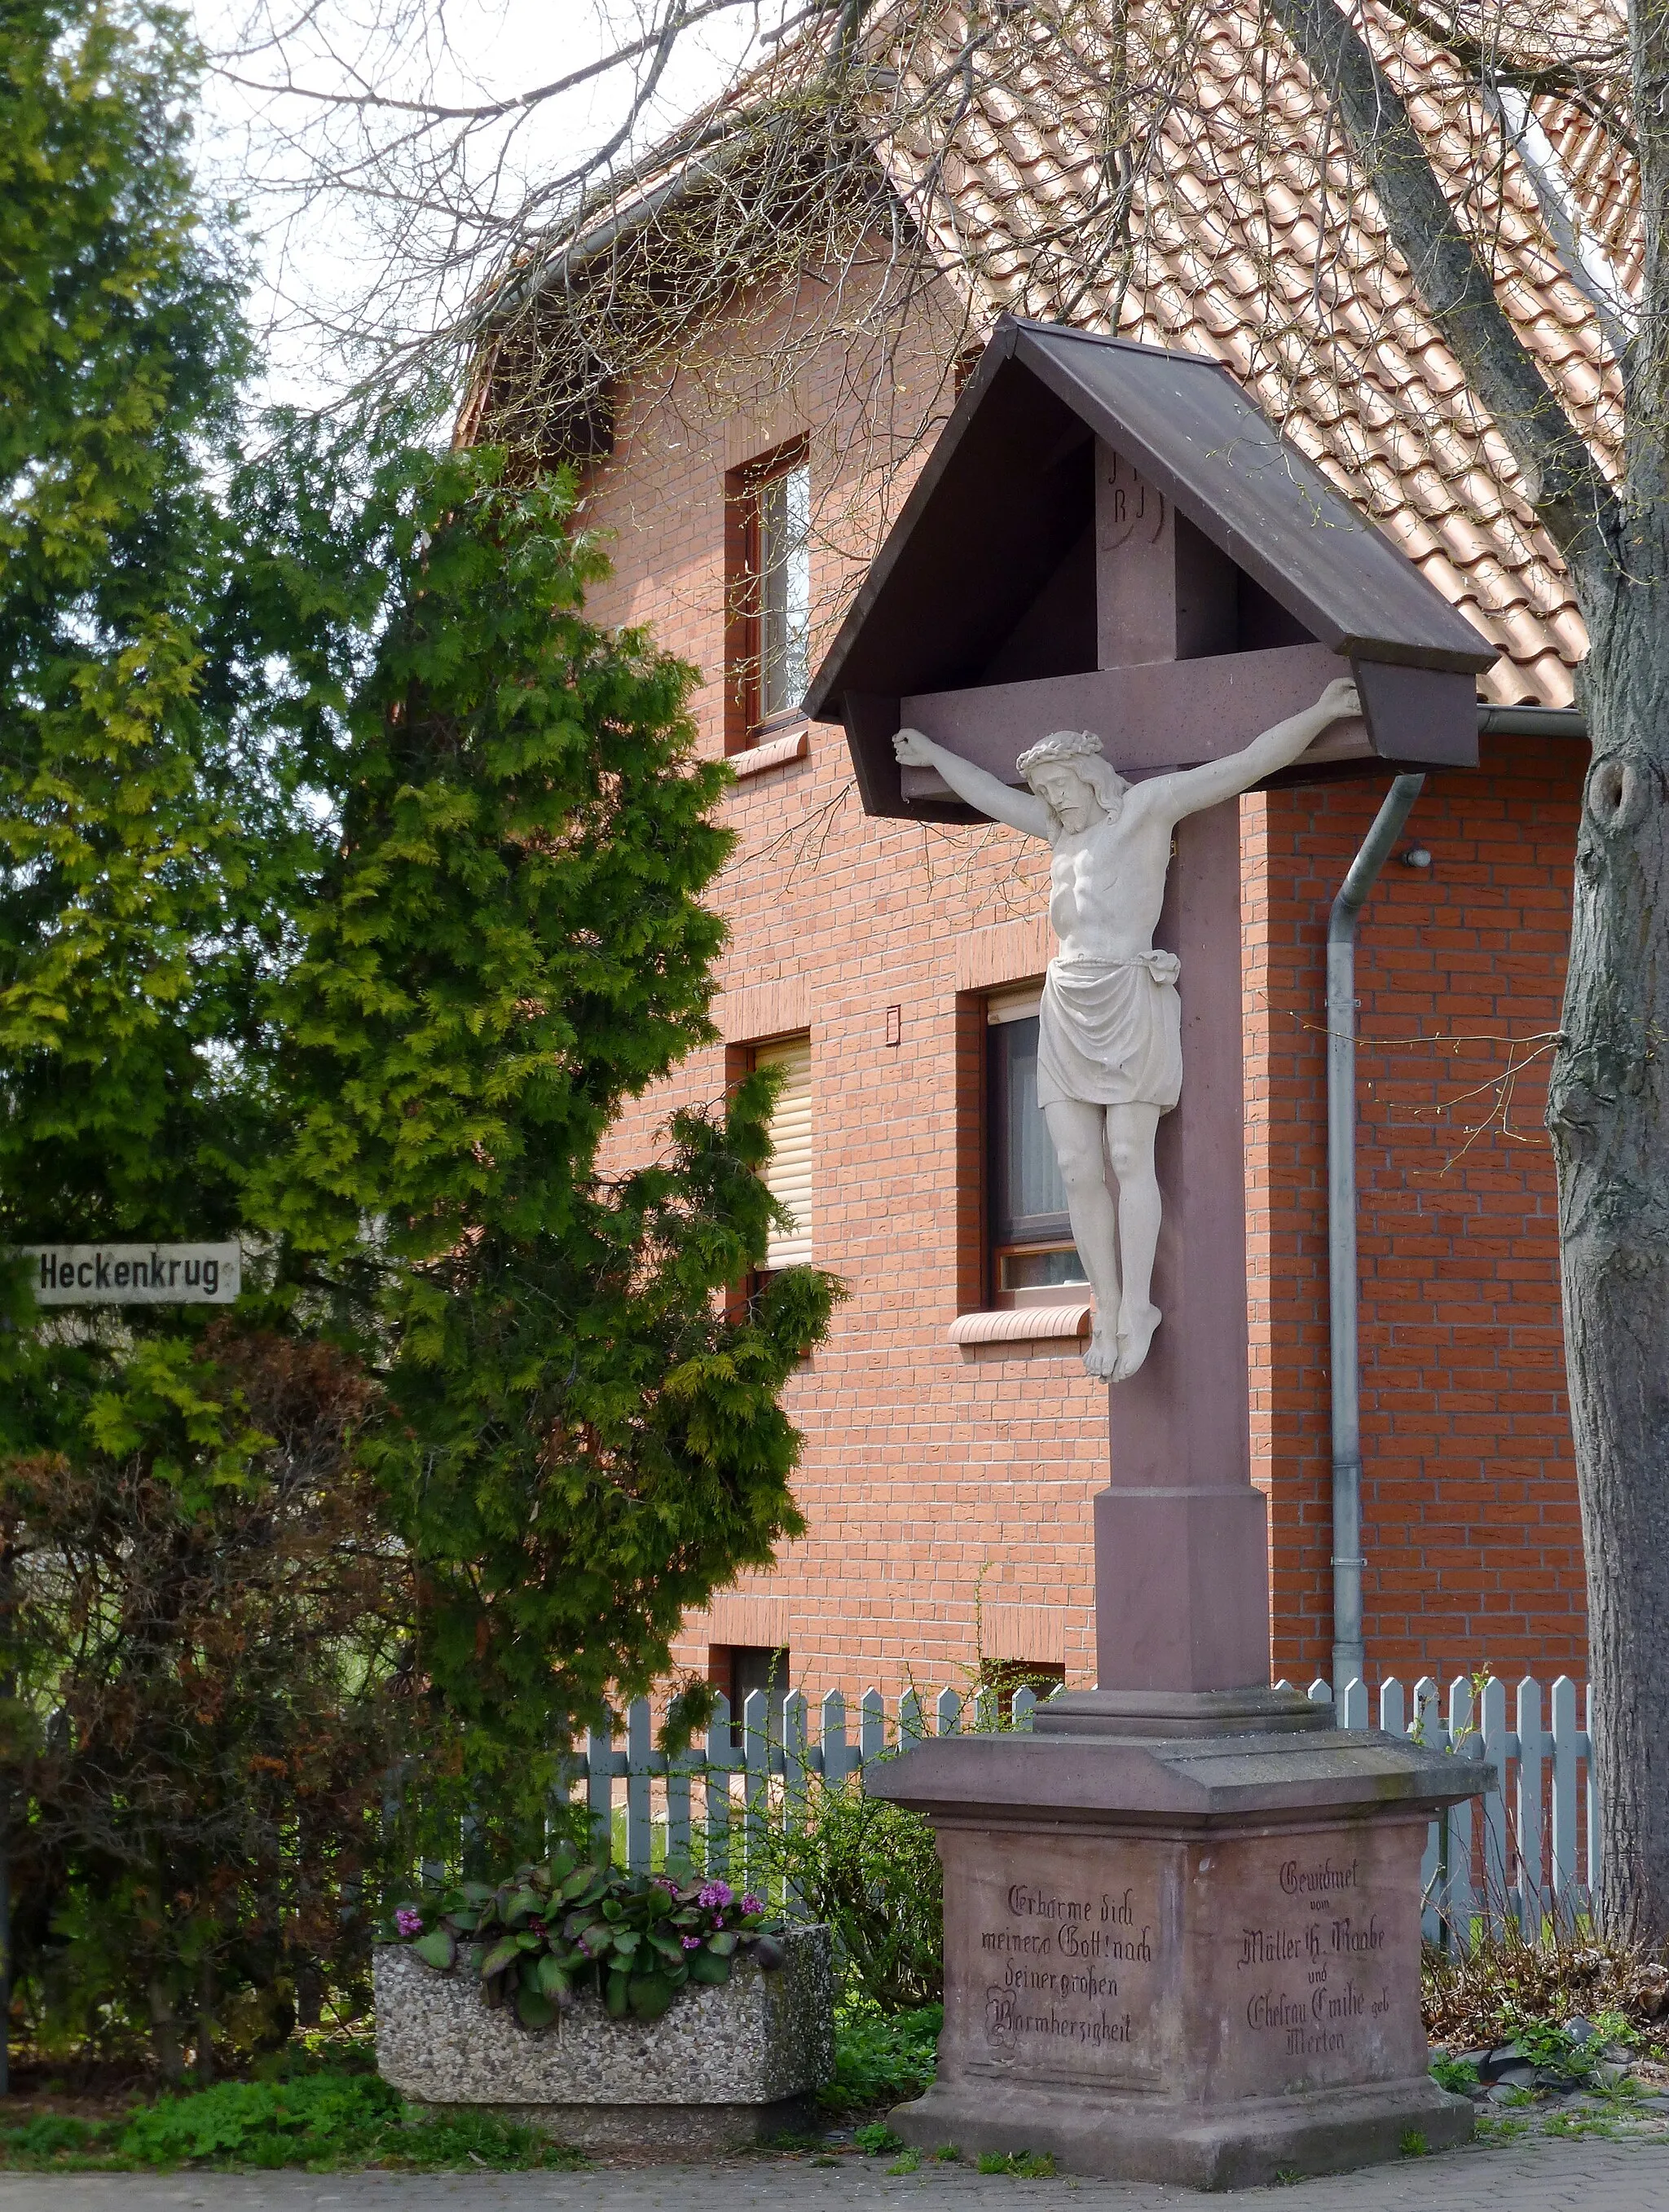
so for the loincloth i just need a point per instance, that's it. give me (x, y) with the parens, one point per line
(1110, 1032)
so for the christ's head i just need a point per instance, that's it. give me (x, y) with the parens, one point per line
(1074, 782)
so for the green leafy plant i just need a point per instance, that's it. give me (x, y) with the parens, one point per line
(551, 1931)
(1549, 2044)
(1414, 2145)
(1492, 2128)
(1455, 2074)
(262, 2123)
(876, 2138)
(881, 2058)
(1577, 2124)
(49, 2137)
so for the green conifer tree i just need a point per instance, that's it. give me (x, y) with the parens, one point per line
(582, 1430)
(351, 884)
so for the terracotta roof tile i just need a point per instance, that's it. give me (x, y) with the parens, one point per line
(1252, 241)
(1225, 224)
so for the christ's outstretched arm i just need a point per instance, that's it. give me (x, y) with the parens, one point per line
(1020, 810)
(1192, 789)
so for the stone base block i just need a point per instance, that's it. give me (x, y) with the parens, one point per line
(722, 2066)
(1246, 2145)
(1191, 1957)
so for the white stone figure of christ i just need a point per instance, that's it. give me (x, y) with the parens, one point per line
(1110, 1035)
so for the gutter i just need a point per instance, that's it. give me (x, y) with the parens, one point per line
(1532, 722)
(561, 269)
(1342, 1284)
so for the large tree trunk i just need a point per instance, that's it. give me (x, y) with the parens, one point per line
(165, 2031)
(1607, 1110)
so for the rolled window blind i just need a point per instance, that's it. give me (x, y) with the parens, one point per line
(788, 1172)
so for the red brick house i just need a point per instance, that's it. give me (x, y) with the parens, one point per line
(745, 459)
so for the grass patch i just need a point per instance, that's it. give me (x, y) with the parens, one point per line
(876, 2138)
(882, 2058)
(1578, 2123)
(323, 2122)
(1488, 2129)
(1026, 2165)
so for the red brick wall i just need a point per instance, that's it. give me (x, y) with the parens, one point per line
(947, 1495)
(1472, 1536)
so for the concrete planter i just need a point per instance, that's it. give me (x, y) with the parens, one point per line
(722, 2067)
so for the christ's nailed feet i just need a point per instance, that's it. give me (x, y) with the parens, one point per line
(1136, 1324)
(1101, 1355)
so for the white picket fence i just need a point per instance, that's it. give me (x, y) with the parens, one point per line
(1527, 1850)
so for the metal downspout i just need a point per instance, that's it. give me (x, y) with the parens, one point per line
(1347, 1655)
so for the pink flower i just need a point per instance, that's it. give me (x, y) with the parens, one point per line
(691, 1942)
(753, 1903)
(409, 1920)
(714, 1893)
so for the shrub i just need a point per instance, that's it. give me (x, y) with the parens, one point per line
(352, 883)
(871, 1870)
(1480, 1993)
(206, 1631)
(265, 2123)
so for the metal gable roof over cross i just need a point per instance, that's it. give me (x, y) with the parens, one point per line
(989, 576)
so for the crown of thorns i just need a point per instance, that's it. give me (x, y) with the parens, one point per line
(1067, 746)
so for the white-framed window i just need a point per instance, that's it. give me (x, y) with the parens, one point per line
(785, 505)
(772, 595)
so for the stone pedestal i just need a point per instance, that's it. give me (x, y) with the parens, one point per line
(1182, 1938)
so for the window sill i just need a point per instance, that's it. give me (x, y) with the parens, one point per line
(773, 753)
(1022, 1325)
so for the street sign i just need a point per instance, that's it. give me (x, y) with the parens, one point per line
(136, 1274)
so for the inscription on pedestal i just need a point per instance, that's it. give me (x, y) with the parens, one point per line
(1315, 1958)
(1061, 1966)
(1256, 1966)
(1310, 1966)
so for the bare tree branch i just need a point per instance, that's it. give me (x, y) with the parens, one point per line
(1587, 77)
(1563, 478)
(491, 110)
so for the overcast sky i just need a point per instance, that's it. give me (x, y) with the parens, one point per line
(326, 255)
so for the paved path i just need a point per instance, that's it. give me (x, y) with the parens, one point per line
(1588, 2175)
